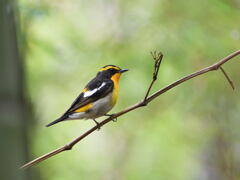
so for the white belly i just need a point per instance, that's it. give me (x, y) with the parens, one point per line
(100, 108)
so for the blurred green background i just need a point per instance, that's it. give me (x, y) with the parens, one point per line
(51, 49)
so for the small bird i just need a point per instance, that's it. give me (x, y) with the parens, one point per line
(97, 98)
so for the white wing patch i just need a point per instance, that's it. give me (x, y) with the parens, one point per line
(90, 93)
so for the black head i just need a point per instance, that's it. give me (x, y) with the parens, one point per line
(110, 70)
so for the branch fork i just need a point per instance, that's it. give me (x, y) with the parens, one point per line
(157, 57)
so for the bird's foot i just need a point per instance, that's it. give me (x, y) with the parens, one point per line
(111, 115)
(98, 124)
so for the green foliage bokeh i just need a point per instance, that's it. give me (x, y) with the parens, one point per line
(69, 40)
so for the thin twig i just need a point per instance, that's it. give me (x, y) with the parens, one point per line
(158, 59)
(227, 77)
(70, 145)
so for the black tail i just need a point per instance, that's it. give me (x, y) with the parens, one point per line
(56, 121)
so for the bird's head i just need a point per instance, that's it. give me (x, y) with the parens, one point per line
(111, 72)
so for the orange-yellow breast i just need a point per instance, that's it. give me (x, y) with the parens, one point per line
(115, 78)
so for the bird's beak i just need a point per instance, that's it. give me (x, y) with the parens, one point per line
(123, 70)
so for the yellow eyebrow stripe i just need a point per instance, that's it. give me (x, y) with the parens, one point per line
(84, 108)
(109, 67)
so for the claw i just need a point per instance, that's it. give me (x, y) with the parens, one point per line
(110, 115)
(114, 119)
(97, 123)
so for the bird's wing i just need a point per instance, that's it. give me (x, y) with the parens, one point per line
(95, 89)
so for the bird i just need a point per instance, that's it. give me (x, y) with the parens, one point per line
(97, 98)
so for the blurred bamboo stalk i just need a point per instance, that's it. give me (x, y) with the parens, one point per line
(13, 124)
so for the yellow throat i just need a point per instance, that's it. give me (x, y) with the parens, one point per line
(115, 78)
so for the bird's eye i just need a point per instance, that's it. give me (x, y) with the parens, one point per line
(112, 70)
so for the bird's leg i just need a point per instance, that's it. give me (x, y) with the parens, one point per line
(110, 115)
(97, 123)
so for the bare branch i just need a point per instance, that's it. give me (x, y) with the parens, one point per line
(70, 145)
(158, 59)
(227, 77)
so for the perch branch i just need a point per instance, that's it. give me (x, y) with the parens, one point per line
(145, 101)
